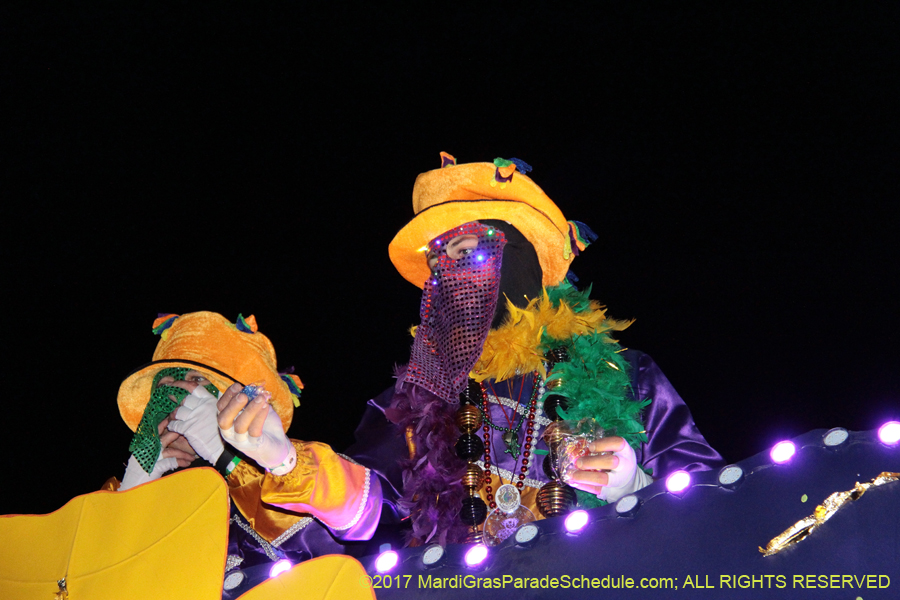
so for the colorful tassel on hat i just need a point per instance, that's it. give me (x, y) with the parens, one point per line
(580, 236)
(294, 385)
(247, 325)
(503, 174)
(447, 160)
(521, 166)
(162, 323)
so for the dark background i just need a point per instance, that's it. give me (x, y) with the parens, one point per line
(740, 166)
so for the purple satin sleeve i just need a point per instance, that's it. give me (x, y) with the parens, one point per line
(674, 442)
(381, 446)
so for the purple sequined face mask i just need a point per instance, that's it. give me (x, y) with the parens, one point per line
(458, 303)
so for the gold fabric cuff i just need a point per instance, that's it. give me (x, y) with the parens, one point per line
(323, 484)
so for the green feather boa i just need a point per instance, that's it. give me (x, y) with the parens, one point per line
(596, 380)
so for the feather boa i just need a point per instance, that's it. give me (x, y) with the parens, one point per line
(432, 479)
(519, 345)
(596, 378)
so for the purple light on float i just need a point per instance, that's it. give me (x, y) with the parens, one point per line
(476, 555)
(889, 433)
(576, 521)
(479, 257)
(280, 567)
(386, 561)
(783, 452)
(678, 481)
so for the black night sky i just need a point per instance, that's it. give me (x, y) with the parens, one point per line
(741, 166)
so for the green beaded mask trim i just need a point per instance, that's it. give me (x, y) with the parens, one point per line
(145, 445)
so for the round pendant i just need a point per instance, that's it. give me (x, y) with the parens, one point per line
(507, 498)
(509, 515)
(500, 525)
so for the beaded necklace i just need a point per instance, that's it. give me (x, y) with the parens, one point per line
(540, 338)
(473, 413)
(510, 437)
(506, 511)
(494, 521)
(511, 433)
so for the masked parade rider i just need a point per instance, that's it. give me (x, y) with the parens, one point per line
(507, 346)
(212, 396)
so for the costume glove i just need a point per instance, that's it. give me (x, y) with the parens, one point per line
(272, 450)
(135, 474)
(195, 419)
(626, 477)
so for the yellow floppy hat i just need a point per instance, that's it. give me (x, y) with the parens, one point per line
(455, 194)
(223, 351)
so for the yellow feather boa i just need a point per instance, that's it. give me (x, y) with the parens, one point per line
(514, 348)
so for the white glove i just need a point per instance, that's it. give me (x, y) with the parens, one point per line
(135, 474)
(196, 420)
(272, 450)
(625, 478)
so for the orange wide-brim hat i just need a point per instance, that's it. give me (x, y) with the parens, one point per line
(460, 193)
(223, 351)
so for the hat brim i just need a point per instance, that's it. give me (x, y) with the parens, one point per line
(134, 393)
(407, 249)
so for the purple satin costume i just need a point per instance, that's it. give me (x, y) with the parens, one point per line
(674, 442)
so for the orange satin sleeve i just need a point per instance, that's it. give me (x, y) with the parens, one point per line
(245, 484)
(323, 484)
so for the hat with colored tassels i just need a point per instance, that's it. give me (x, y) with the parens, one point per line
(225, 352)
(459, 193)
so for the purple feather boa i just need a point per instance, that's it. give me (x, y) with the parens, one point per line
(432, 479)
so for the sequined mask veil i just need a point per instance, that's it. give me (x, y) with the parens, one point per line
(145, 444)
(458, 304)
